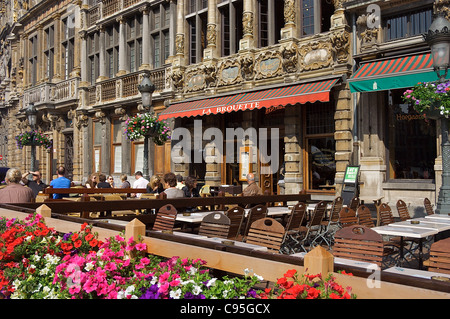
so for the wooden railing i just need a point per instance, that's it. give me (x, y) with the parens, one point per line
(236, 259)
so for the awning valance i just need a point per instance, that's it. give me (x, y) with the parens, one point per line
(300, 93)
(393, 73)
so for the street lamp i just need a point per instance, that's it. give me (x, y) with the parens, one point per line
(32, 119)
(438, 39)
(146, 88)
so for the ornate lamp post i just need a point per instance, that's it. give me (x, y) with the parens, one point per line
(146, 88)
(438, 38)
(32, 117)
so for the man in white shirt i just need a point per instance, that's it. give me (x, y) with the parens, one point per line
(140, 182)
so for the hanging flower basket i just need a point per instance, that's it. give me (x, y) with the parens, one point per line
(36, 138)
(431, 99)
(147, 125)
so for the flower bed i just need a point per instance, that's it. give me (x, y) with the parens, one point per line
(33, 138)
(36, 262)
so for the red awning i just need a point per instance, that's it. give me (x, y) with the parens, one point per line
(300, 93)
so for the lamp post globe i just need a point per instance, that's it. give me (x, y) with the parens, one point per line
(438, 39)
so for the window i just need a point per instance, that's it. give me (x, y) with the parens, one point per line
(197, 21)
(93, 57)
(412, 141)
(320, 146)
(271, 20)
(97, 138)
(160, 21)
(68, 44)
(49, 52)
(230, 25)
(134, 42)
(33, 60)
(116, 147)
(315, 19)
(112, 49)
(407, 24)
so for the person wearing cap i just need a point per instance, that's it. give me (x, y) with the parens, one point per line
(36, 184)
(14, 192)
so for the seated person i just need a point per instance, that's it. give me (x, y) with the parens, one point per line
(60, 182)
(36, 184)
(14, 192)
(155, 185)
(102, 183)
(171, 190)
(252, 189)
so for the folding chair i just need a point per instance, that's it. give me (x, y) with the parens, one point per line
(165, 218)
(440, 256)
(293, 225)
(402, 210)
(347, 217)
(364, 216)
(354, 203)
(385, 215)
(314, 227)
(255, 213)
(428, 206)
(236, 216)
(266, 232)
(358, 242)
(215, 225)
(331, 225)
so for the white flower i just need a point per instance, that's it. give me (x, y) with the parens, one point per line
(192, 271)
(247, 271)
(120, 294)
(260, 278)
(225, 293)
(212, 282)
(196, 290)
(129, 290)
(36, 258)
(89, 266)
(175, 294)
(44, 271)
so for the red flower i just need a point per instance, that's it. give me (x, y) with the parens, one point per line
(313, 293)
(74, 237)
(88, 237)
(77, 243)
(93, 242)
(290, 273)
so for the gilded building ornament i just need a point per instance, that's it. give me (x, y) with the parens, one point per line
(315, 55)
(289, 11)
(247, 67)
(290, 59)
(229, 72)
(178, 79)
(340, 41)
(179, 43)
(211, 34)
(442, 6)
(247, 23)
(268, 64)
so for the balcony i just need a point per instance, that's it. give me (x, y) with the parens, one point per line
(124, 87)
(52, 93)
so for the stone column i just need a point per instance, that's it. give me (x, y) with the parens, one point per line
(290, 29)
(173, 27)
(179, 59)
(293, 176)
(83, 59)
(41, 74)
(247, 42)
(122, 47)
(145, 39)
(102, 56)
(57, 47)
(211, 33)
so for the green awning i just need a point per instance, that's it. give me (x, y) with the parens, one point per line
(394, 73)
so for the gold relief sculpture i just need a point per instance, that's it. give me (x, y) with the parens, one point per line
(289, 11)
(340, 46)
(315, 55)
(229, 72)
(211, 34)
(247, 23)
(290, 59)
(179, 43)
(247, 67)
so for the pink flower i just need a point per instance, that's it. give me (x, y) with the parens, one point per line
(164, 288)
(89, 286)
(141, 246)
(110, 267)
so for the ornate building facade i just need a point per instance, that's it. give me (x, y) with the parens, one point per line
(291, 71)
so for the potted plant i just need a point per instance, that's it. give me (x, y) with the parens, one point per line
(33, 137)
(147, 124)
(431, 99)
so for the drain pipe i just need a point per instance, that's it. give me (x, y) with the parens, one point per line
(355, 157)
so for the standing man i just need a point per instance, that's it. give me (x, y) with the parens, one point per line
(60, 182)
(140, 182)
(36, 184)
(14, 192)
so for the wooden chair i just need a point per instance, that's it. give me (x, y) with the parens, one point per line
(440, 256)
(148, 196)
(314, 227)
(385, 215)
(295, 221)
(266, 232)
(354, 203)
(402, 210)
(347, 217)
(428, 206)
(364, 216)
(165, 218)
(215, 225)
(255, 213)
(360, 243)
(236, 216)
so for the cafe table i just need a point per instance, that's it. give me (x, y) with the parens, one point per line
(402, 230)
(438, 216)
(432, 220)
(235, 243)
(425, 274)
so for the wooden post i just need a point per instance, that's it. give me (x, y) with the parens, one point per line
(319, 261)
(44, 211)
(134, 229)
(85, 198)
